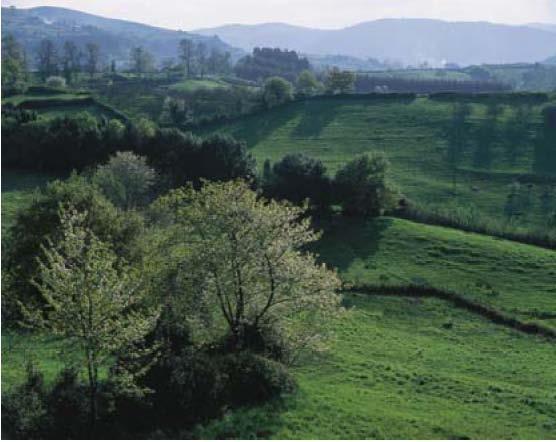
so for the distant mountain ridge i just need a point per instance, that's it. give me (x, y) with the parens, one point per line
(550, 27)
(115, 37)
(411, 41)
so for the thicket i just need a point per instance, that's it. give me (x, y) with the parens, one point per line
(269, 62)
(239, 300)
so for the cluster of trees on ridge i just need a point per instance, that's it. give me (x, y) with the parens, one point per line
(271, 62)
(71, 60)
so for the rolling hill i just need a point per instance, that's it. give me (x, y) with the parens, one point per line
(115, 37)
(411, 41)
(401, 367)
(335, 129)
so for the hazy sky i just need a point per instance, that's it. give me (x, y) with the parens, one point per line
(191, 14)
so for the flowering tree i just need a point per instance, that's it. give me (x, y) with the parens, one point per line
(90, 298)
(245, 269)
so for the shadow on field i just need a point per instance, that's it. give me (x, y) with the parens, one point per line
(248, 423)
(256, 128)
(316, 116)
(347, 239)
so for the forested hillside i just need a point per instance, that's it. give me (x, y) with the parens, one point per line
(115, 38)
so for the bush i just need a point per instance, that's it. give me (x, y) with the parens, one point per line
(24, 412)
(297, 177)
(56, 82)
(253, 379)
(188, 388)
(362, 188)
(41, 220)
(67, 406)
(198, 385)
(277, 91)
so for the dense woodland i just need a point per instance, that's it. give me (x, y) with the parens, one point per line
(181, 272)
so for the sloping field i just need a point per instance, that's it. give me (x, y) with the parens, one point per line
(514, 278)
(411, 133)
(18, 188)
(400, 367)
(406, 369)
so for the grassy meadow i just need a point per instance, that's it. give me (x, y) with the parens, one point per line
(18, 188)
(397, 371)
(411, 133)
(517, 279)
(59, 103)
(398, 367)
(193, 85)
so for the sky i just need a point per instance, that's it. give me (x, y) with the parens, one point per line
(195, 14)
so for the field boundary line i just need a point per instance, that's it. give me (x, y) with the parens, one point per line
(458, 300)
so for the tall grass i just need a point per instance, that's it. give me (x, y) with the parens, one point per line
(469, 220)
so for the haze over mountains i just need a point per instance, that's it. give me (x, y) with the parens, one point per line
(115, 37)
(406, 41)
(410, 41)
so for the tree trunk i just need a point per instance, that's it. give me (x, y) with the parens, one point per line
(92, 374)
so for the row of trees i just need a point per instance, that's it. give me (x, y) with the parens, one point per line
(377, 83)
(196, 59)
(80, 141)
(70, 60)
(278, 90)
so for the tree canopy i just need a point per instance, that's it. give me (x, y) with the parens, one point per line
(248, 272)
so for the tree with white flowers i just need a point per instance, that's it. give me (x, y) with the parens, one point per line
(92, 299)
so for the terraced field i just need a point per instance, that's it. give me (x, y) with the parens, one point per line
(59, 103)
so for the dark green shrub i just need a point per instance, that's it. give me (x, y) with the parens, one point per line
(67, 406)
(254, 379)
(41, 220)
(187, 388)
(263, 341)
(24, 411)
(298, 177)
(362, 188)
